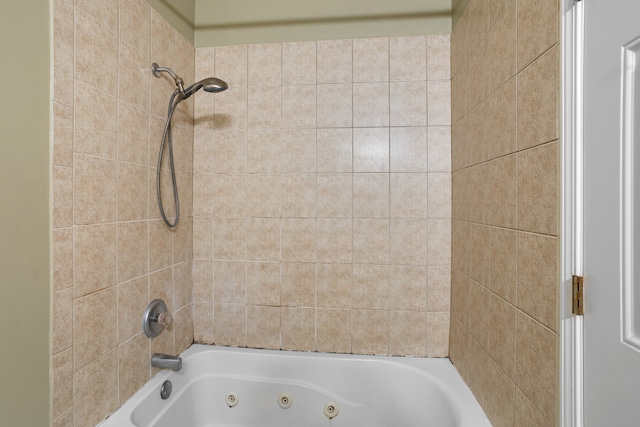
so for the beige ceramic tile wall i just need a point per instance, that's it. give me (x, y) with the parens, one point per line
(322, 196)
(505, 61)
(112, 254)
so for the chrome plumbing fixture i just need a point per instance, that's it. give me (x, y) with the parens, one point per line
(210, 84)
(165, 361)
(156, 317)
(165, 390)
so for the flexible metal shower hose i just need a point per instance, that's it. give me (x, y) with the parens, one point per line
(167, 139)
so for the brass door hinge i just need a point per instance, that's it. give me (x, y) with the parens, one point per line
(578, 296)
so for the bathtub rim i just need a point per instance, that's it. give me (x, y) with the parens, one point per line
(438, 370)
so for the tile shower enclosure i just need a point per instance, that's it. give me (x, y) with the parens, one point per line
(315, 196)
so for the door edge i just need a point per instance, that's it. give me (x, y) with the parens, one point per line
(570, 369)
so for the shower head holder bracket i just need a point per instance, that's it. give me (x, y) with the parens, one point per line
(157, 70)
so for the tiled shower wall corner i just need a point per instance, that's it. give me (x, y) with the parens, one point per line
(322, 196)
(505, 97)
(112, 254)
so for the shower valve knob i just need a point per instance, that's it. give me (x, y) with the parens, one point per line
(156, 318)
(165, 319)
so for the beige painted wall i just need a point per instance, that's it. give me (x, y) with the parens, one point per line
(24, 183)
(225, 22)
(457, 7)
(179, 13)
(248, 21)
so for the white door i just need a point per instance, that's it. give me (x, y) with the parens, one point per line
(612, 213)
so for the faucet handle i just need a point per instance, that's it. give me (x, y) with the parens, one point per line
(156, 318)
(165, 319)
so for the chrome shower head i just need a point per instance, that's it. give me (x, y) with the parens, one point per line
(214, 84)
(210, 84)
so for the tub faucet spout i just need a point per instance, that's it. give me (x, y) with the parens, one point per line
(165, 361)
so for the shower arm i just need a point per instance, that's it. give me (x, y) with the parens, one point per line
(156, 69)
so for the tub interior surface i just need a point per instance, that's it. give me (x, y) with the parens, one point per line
(367, 391)
(202, 404)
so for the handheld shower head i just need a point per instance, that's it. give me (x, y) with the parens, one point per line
(214, 84)
(210, 84)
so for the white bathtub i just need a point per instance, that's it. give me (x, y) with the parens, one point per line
(364, 391)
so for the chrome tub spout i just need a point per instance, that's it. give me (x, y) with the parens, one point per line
(165, 361)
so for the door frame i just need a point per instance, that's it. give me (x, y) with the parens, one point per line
(570, 346)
